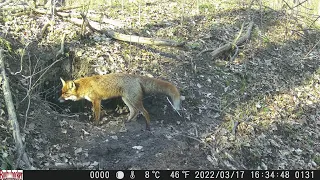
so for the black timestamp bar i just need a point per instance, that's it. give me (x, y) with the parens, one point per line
(168, 174)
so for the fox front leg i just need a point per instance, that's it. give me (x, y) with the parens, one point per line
(96, 107)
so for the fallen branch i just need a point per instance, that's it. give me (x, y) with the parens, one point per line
(12, 115)
(96, 27)
(67, 8)
(228, 46)
(143, 40)
(41, 11)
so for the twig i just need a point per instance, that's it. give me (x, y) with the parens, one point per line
(235, 53)
(229, 104)
(35, 83)
(21, 59)
(234, 129)
(299, 4)
(29, 96)
(287, 4)
(239, 34)
(194, 138)
(173, 107)
(35, 73)
(314, 21)
(197, 139)
(311, 49)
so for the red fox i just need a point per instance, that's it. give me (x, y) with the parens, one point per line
(129, 87)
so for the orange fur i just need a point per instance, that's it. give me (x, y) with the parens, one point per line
(129, 87)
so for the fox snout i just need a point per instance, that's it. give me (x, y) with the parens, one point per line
(61, 99)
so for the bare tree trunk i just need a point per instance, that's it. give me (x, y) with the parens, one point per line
(13, 117)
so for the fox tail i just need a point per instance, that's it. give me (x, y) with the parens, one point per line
(152, 85)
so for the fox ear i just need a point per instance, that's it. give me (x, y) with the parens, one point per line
(63, 82)
(73, 85)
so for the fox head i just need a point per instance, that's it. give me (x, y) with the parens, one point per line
(69, 91)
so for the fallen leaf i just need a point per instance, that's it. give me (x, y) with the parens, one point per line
(85, 132)
(77, 151)
(137, 147)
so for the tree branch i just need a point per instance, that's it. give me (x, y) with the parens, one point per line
(229, 45)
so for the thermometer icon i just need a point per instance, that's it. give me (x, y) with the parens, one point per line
(132, 176)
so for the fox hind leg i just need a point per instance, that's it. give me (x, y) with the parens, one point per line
(135, 104)
(133, 112)
(145, 114)
(138, 104)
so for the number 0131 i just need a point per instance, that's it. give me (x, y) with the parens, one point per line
(304, 174)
